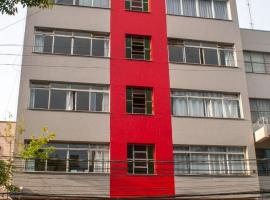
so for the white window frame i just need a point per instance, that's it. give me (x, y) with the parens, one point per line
(227, 153)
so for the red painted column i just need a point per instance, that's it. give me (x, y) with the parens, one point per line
(140, 129)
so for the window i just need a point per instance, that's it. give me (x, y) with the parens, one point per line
(75, 97)
(138, 47)
(140, 159)
(260, 110)
(205, 104)
(137, 5)
(181, 51)
(257, 62)
(216, 9)
(263, 163)
(215, 160)
(71, 43)
(74, 158)
(139, 101)
(88, 3)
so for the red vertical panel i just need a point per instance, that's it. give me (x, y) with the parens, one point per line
(125, 128)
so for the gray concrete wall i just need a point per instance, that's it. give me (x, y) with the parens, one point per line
(258, 41)
(203, 131)
(68, 126)
(64, 184)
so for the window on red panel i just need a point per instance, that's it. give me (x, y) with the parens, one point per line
(137, 5)
(140, 159)
(138, 47)
(139, 101)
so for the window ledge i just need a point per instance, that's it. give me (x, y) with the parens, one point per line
(140, 60)
(68, 173)
(142, 175)
(73, 111)
(224, 20)
(212, 118)
(136, 11)
(70, 55)
(258, 73)
(215, 175)
(139, 114)
(94, 7)
(204, 65)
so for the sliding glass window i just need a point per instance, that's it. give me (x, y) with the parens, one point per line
(205, 104)
(69, 97)
(73, 158)
(203, 53)
(213, 160)
(71, 43)
(87, 3)
(215, 9)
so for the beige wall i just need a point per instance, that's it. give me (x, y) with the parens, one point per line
(68, 126)
(258, 84)
(7, 139)
(64, 184)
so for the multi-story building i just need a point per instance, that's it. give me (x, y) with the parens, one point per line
(147, 98)
(256, 48)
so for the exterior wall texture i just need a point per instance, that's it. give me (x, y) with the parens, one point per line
(161, 129)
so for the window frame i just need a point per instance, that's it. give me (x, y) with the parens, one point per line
(88, 6)
(147, 53)
(129, 6)
(105, 148)
(224, 97)
(202, 46)
(229, 18)
(147, 160)
(70, 97)
(227, 153)
(39, 31)
(131, 101)
(251, 62)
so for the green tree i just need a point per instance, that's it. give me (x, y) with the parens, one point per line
(36, 148)
(10, 6)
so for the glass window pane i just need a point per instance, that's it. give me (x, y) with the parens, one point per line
(248, 67)
(78, 161)
(257, 57)
(231, 108)
(221, 10)
(58, 99)
(174, 7)
(182, 163)
(98, 48)
(227, 57)
(196, 107)
(205, 8)
(199, 164)
(40, 98)
(81, 46)
(218, 163)
(82, 102)
(66, 2)
(57, 161)
(258, 68)
(189, 7)
(210, 56)
(176, 53)
(62, 45)
(101, 3)
(236, 164)
(179, 106)
(193, 55)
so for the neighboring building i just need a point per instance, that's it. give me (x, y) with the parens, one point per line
(147, 98)
(7, 138)
(7, 135)
(256, 48)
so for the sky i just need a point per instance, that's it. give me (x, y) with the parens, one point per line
(11, 43)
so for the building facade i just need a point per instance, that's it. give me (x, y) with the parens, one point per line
(147, 98)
